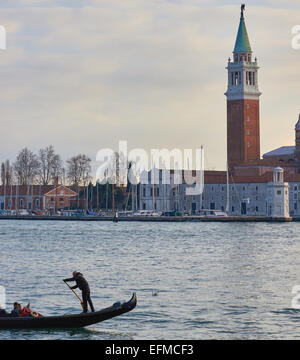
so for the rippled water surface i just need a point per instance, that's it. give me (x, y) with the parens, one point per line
(215, 280)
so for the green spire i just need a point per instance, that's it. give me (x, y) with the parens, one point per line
(242, 43)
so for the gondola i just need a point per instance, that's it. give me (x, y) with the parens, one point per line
(68, 321)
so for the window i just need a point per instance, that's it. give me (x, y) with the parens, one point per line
(151, 192)
(278, 192)
(296, 188)
(37, 202)
(157, 191)
(250, 78)
(295, 206)
(232, 209)
(144, 206)
(256, 209)
(21, 202)
(237, 78)
(144, 192)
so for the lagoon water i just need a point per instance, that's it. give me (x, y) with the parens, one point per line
(215, 280)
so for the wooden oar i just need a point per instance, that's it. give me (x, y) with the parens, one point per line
(74, 292)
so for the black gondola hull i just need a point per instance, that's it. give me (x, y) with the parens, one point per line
(68, 321)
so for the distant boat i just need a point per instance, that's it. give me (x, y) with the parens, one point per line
(116, 217)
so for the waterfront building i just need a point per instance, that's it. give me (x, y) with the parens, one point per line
(37, 197)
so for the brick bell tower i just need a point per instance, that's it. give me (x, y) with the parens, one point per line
(243, 134)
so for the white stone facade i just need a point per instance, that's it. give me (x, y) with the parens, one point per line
(278, 196)
(249, 199)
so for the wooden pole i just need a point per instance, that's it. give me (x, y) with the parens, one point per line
(74, 292)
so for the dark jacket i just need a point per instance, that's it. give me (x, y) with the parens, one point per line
(15, 312)
(80, 282)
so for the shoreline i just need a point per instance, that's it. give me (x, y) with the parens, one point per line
(151, 218)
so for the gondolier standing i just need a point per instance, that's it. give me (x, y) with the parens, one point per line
(83, 285)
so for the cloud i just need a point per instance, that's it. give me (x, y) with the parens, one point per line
(82, 75)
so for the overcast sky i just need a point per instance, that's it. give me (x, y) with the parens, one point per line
(82, 75)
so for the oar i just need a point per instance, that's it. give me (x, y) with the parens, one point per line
(74, 292)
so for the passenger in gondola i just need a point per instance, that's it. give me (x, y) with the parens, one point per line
(27, 312)
(83, 285)
(16, 310)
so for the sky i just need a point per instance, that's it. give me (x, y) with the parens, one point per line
(82, 75)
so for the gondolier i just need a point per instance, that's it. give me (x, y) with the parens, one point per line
(83, 285)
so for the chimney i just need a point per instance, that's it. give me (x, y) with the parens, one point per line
(56, 182)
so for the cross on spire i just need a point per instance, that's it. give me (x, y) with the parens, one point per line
(242, 10)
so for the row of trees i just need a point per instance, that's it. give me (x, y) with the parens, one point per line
(43, 167)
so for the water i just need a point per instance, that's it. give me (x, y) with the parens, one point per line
(215, 280)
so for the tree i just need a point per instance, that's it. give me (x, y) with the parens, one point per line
(50, 165)
(79, 170)
(26, 167)
(6, 173)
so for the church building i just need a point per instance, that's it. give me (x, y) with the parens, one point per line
(252, 186)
